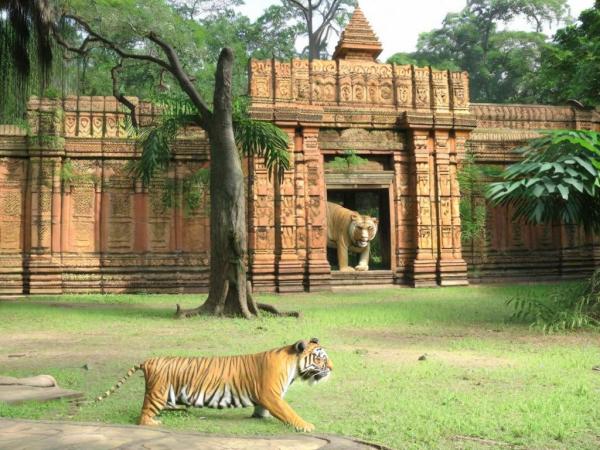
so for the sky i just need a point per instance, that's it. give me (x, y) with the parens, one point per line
(399, 22)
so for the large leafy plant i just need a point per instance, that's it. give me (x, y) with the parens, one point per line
(557, 181)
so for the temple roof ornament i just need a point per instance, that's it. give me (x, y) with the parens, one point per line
(358, 41)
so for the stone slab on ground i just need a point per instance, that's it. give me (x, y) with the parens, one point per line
(48, 435)
(17, 394)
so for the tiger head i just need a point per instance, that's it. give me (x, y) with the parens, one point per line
(313, 363)
(362, 230)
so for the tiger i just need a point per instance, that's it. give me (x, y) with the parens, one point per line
(349, 230)
(260, 380)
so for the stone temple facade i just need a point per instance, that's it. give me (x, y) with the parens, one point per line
(73, 220)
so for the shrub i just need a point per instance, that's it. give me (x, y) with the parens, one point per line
(567, 308)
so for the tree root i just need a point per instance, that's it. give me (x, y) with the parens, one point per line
(254, 308)
(272, 310)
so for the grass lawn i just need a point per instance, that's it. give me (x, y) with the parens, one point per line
(485, 382)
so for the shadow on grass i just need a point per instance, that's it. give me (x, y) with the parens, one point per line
(94, 309)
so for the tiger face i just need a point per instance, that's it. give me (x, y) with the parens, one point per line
(362, 230)
(314, 364)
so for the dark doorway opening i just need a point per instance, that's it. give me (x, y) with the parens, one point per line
(370, 202)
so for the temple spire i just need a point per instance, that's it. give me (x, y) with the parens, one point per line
(358, 40)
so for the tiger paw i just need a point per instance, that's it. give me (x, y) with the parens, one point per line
(305, 427)
(148, 421)
(362, 268)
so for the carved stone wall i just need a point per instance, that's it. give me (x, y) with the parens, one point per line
(512, 249)
(72, 219)
(100, 231)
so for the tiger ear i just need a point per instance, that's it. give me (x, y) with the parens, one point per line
(355, 216)
(300, 346)
(314, 340)
(375, 221)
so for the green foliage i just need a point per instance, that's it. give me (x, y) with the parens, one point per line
(48, 141)
(421, 60)
(253, 138)
(473, 179)
(578, 307)
(320, 21)
(557, 181)
(263, 140)
(193, 188)
(570, 66)
(69, 175)
(500, 62)
(156, 140)
(348, 162)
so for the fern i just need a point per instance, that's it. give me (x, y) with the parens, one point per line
(566, 309)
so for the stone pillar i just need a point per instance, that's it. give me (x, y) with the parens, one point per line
(46, 150)
(290, 269)
(452, 269)
(438, 145)
(140, 207)
(261, 228)
(318, 269)
(404, 205)
(424, 266)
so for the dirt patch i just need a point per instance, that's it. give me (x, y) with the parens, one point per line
(507, 335)
(415, 355)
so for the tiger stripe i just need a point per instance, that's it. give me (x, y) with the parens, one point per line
(260, 380)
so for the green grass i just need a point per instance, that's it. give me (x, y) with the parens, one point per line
(485, 381)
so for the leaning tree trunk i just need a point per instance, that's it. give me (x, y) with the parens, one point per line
(230, 292)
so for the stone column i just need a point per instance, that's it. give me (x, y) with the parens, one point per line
(424, 266)
(261, 228)
(437, 147)
(318, 269)
(140, 207)
(404, 205)
(46, 150)
(290, 269)
(452, 269)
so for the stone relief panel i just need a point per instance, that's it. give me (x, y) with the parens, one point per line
(360, 138)
(324, 84)
(261, 79)
(283, 81)
(404, 85)
(301, 81)
(422, 88)
(441, 94)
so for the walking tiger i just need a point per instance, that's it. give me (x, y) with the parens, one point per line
(259, 380)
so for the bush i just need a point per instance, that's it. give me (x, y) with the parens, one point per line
(567, 309)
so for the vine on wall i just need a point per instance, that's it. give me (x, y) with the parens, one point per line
(473, 179)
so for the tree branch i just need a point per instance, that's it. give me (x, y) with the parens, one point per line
(173, 65)
(119, 96)
(108, 43)
(184, 80)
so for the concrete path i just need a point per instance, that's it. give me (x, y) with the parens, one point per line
(46, 435)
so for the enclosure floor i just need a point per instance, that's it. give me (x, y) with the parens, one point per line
(45, 435)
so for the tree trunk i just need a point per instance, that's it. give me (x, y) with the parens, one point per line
(229, 292)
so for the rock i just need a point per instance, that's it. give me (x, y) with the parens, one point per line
(43, 381)
(423, 357)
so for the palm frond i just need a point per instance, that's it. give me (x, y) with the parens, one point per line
(264, 140)
(156, 140)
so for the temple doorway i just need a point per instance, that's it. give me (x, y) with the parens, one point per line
(370, 202)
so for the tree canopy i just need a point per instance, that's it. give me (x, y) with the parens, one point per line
(570, 68)
(500, 62)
